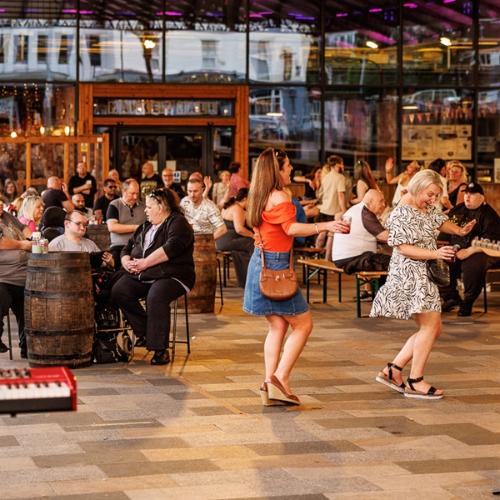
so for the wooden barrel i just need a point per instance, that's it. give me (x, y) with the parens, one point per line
(59, 309)
(99, 234)
(202, 296)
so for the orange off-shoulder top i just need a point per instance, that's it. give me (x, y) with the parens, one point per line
(274, 227)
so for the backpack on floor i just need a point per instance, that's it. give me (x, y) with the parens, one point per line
(113, 346)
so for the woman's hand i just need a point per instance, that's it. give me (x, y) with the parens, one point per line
(446, 253)
(108, 260)
(127, 264)
(139, 265)
(338, 226)
(465, 230)
(389, 165)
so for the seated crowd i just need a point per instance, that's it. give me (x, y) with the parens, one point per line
(152, 225)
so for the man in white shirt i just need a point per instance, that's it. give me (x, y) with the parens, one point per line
(357, 250)
(332, 191)
(201, 212)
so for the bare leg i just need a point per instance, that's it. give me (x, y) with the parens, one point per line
(301, 329)
(273, 344)
(423, 341)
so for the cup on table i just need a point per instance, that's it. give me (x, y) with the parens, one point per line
(347, 219)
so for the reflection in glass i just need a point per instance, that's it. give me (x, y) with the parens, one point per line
(361, 43)
(47, 160)
(488, 144)
(205, 44)
(489, 43)
(437, 123)
(222, 148)
(36, 109)
(361, 125)
(284, 43)
(288, 118)
(437, 42)
(42, 50)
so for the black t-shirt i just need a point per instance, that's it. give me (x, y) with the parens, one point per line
(102, 203)
(53, 198)
(487, 223)
(76, 181)
(149, 184)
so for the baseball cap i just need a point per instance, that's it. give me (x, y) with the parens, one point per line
(474, 187)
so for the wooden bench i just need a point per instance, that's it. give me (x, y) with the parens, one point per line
(371, 278)
(321, 267)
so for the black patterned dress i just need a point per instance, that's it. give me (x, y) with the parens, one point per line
(408, 290)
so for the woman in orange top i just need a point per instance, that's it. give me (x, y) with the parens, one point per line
(272, 215)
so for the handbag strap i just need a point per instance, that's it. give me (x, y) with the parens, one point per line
(262, 258)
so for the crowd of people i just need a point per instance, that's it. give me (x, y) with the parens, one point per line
(153, 223)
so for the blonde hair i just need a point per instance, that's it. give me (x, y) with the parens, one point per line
(265, 179)
(457, 164)
(29, 205)
(422, 180)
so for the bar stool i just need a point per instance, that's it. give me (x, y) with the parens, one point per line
(9, 334)
(174, 326)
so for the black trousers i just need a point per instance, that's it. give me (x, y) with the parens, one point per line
(154, 322)
(241, 249)
(12, 297)
(473, 271)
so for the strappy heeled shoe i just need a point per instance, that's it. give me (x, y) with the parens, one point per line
(277, 392)
(411, 392)
(387, 380)
(264, 396)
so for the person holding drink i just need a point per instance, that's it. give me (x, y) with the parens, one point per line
(409, 291)
(271, 213)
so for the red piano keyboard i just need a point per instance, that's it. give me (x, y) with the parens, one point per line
(30, 390)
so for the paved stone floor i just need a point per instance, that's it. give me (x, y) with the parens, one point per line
(196, 429)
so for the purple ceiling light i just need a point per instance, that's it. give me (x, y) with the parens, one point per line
(410, 5)
(375, 9)
(341, 14)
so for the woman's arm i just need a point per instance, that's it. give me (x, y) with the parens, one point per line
(239, 222)
(361, 189)
(449, 227)
(389, 175)
(461, 194)
(417, 253)
(300, 229)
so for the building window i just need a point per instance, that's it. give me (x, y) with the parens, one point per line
(94, 50)
(64, 49)
(259, 57)
(21, 47)
(287, 65)
(209, 54)
(42, 46)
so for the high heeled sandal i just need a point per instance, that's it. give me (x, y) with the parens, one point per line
(387, 380)
(277, 392)
(411, 392)
(264, 396)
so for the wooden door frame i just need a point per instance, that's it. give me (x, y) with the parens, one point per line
(237, 93)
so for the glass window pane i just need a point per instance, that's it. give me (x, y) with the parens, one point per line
(488, 131)
(122, 44)
(36, 109)
(437, 123)
(361, 43)
(437, 42)
(205, 42)
(361, 125)
(284, 42)
(288, 118)
(37, 40)
(489, 43)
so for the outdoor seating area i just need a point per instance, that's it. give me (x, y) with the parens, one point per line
(195, 429)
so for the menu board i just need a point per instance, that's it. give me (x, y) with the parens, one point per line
(428, 142)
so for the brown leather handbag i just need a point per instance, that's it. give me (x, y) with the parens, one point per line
(277, 285)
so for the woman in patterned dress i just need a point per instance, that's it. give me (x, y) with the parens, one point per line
(408, 292)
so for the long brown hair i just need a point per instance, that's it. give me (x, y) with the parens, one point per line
(363, 171)
(265, 179)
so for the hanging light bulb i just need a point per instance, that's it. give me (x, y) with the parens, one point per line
(42, 130)
(67, 130)
(13, 134)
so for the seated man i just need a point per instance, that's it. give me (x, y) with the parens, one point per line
(357, 250)
(79, 203)
(56, 194)
(13, 264)
(471, 262)
(73, 240)
(202, 213)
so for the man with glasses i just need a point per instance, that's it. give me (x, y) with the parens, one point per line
(102, 203)
(167, 176)
(124, 216)
(73, 239)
